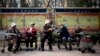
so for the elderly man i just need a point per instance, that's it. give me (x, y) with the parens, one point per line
(64, 37)
(47, 34)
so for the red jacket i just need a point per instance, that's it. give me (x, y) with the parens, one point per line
(31, 30)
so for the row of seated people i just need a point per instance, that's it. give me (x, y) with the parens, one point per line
(30, 36)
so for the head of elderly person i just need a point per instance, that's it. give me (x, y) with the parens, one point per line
(61, 25)
(13, 25)
(47, 21)
(32, 24)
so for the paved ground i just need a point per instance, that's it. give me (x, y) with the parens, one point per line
(55, 52)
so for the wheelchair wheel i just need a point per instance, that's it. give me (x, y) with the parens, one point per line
(92, 51)
(79, 49)
(83, 51)
(2, 51)
(14, 51)
(20, 49)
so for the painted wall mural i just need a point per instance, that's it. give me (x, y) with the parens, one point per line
(85, 21)
(23, 20)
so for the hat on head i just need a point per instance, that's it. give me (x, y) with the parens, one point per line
(13, 24)
(32, 23)
(47, 21)
(88, 36)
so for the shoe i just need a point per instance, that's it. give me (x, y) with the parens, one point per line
(35, 48)
(20, 49)
(27, 49)
(93, 51)
(70, 49)
(31, 49)
(42, 49)
(66, 48)
(9, 49)
(83, 51)
(79, 49)
(39, 48)
(14, 51)
(58, 47)
(2, 51)
(51, 49)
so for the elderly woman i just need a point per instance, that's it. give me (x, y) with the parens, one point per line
(47, 34)
(15, 34)
(31, 37)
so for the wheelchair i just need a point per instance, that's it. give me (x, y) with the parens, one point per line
(11, 40)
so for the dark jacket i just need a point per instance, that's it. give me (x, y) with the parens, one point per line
(78, 31)
(64, 32)
(15, 31)
(46, 29)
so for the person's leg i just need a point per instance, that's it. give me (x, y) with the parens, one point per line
(50, 42)
(10, 47)
(70, 45)
(17, 46)
(42, 43)
(10, 44)
(59, 42)
(35, 43)
(78, 40)
(65, 44)
(27, 44)
(31, 42)
(18, 41)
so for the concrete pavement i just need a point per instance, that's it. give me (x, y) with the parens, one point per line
(55, 52)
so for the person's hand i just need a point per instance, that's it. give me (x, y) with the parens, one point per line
(50, 29)
(64, 38)
(29, 31)
(58, 33)
(19, 35)
(69, 38)
(44, 34)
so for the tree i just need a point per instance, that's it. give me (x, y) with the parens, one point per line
(13, 3)
(23, 3)
(36, 2)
